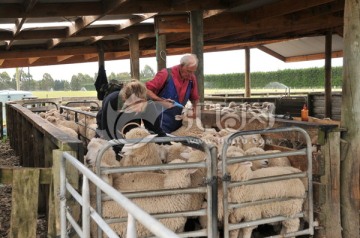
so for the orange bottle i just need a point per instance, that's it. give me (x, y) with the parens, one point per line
(305, 113)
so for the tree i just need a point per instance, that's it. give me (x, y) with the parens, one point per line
(47, 82)
(5, 81)
(123, 76)
(75, 83)
(27, 81)
(147, 72)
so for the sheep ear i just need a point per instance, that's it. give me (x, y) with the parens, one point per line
(128, 147)
(178, 117)
(185, 155)
(151, 136)
(246, 163)
(191, 171)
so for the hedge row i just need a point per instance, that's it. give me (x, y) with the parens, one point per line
(293, 78)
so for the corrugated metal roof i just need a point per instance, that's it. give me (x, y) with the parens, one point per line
(305, 46)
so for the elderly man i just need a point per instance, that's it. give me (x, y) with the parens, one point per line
(173, 88)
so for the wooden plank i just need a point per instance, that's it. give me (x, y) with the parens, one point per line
(329, 216)
(25, 189)
(7, 175)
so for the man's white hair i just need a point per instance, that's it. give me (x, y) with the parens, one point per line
(189, 60)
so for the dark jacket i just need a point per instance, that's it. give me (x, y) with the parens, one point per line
(111, 121)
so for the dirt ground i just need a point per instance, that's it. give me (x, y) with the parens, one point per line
(9, 159)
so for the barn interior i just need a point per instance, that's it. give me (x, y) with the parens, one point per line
(36, 33)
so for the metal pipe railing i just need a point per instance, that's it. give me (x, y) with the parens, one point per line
(135, 212)
(210, 164)
(227, 184)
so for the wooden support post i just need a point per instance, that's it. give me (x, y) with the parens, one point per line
(134, 56)
(350, 119)
(197, 47)
(25, 189)
(329, 188)
(328, 104)
(160, 51)
(247, 72)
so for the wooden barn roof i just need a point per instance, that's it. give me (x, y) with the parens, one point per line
(50, 32)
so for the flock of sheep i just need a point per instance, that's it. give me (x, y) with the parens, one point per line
(288, 196)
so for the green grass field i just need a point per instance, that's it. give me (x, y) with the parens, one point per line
(58, 94)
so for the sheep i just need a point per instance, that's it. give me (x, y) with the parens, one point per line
(272, 162)
(140, 181)
(249, 141)
(236, 142)
(87, 127)
(108, 159)
(172, 179)
(65, 129)
(140, 153)
(172, 152)
(190, 126)
(279, 161)
(211, 139)
(279, 189)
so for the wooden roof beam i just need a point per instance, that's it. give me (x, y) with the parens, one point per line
(280, 8)
(334, 54)
(270, 52)
(136, 19)
(15, 10)
(49, 53)
(63, 58)
(88, 57)
(85, 21)
(28, 6)
(33, 60)
(61, 33)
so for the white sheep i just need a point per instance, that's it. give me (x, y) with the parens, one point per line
(140, 153)
(289, 188)
(254, 140)
(172, 151)
(54, 120)
(108, 159)
(87, 127)
(279, 161)
(172, 179)
(190, 126)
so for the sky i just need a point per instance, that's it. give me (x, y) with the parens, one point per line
(214, 63)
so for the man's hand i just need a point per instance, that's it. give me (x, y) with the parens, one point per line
(167, 102)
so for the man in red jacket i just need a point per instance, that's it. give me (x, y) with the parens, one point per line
(173, 88)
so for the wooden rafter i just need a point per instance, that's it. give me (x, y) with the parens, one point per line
(82, 22)
(33, 60)
(28, 6)
(228, 24)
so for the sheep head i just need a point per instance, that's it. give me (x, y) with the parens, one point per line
(178, 178)
(240, 171)
(108, 159)
(136, 133)
(249, 141)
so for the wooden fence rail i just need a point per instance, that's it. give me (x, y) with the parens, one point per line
(35, 186)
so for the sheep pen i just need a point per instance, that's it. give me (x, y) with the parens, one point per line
(293, 161)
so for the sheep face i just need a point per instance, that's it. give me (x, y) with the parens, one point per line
(108, 159)
(240, 171)
(234, 151)
(249, 141)
(178, 178)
